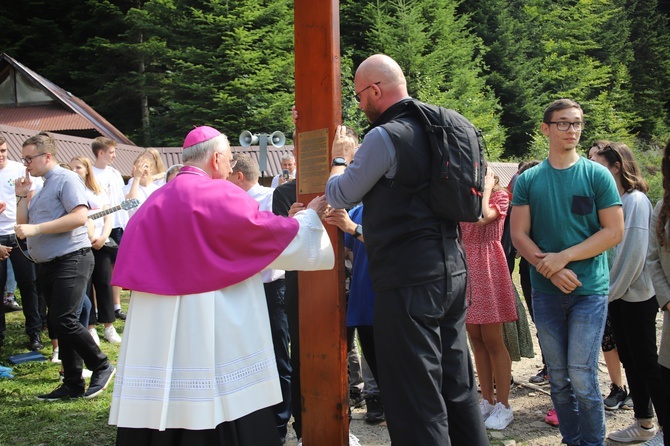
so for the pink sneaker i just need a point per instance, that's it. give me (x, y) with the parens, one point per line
(551, 418)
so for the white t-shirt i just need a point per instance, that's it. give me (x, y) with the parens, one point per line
(159, 182)
(263, 195)
(111, 181)
(143, 193)
(8, 176)
(96, 203)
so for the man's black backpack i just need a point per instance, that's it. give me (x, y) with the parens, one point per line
(458, 164)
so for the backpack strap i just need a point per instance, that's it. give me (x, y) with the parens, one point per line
(432, 130)
(429, 128)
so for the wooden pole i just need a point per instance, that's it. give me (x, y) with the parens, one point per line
(323, 345)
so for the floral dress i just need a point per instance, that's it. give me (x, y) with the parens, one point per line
(490, 291)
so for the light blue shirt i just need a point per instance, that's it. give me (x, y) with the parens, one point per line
(63, 191)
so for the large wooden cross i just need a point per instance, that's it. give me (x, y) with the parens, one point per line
(323, 346)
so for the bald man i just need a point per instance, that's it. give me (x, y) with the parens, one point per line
(417, 267)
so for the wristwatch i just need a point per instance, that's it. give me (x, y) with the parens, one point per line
(358, 231)
(339, 161)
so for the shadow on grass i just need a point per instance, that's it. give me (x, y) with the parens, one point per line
(26, 421)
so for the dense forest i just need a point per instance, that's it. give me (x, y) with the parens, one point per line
(154, 68)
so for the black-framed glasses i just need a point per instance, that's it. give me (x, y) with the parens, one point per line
(563, 126)
(29, 159)
(357, 96)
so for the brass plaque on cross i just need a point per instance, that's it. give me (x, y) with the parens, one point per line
(313, 161)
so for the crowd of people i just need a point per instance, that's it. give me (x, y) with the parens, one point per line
(594, 254)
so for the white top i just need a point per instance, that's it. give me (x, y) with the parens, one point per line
(629, 279)
(158, 182)
(96, 203)
(214, 360)
(263, 195)
(8, 176)
(143, 193)
(111, 181)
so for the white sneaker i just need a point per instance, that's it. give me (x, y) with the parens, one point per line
(656, 441)
(94, 335)
(111, 335)
(633, 433)
(486, 408)
(500, 418)
(54, 358)
(86, 373)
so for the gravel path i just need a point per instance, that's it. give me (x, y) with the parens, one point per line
(530, 404)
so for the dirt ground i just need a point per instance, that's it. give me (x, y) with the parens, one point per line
(530, 404)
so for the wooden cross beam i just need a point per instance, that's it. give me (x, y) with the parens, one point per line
(323, 345)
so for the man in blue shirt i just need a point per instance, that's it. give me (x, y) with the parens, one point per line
(54, 226)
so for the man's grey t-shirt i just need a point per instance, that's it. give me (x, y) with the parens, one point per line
(62, 192)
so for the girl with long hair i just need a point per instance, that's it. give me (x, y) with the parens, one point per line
(99, 231)
(632, 307)
(142, 184)
(619, 397)
(493, 302)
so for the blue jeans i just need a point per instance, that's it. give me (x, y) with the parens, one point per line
(570, 329)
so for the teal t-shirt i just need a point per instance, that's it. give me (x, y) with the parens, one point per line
(564, 205)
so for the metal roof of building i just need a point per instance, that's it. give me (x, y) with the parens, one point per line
(172, 155)
(51, 118)
(70, 146)
(78, 109)
(505, 171)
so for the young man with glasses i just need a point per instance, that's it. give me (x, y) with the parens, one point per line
(54, 224)
(24, 270)
(576, 216)
(426, 376)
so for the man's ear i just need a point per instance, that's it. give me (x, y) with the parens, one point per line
(545, 129)
(213, 162)
(236, 177)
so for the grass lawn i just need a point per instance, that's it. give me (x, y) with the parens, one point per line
(28, 422)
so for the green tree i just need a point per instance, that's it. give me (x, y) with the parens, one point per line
(54, 40)
(650, 69)
(231, 66)
(126, 65)
(441, 59)
(567, 66)
(542, 50)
